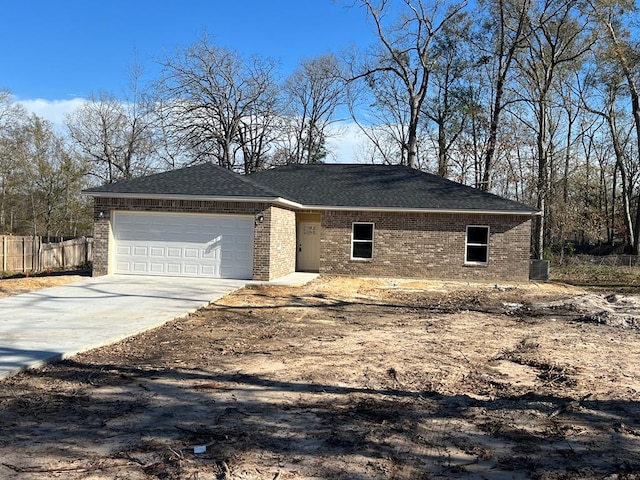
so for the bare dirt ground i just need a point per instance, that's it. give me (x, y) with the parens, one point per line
(15, 286)
(346, 379)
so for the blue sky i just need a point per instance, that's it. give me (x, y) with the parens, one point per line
(61, 50)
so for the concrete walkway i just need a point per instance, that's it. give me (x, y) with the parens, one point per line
(53, 323)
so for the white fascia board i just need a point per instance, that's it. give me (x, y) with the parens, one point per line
(289, 203)
(426, 210)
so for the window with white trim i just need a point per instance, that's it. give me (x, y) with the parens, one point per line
(362, 241)
(477, 245)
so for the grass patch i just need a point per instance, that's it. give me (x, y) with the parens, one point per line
(596, 275)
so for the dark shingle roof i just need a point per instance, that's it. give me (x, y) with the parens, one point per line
(205, 180)
(378, 186)
(324, 185)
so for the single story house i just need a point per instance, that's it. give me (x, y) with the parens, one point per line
(335, 219)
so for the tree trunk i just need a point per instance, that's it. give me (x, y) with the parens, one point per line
(443, 168)
(612, 231)
(506, 54)
(635, 103)
(626, 207)
(541, 148)
(412, 141)
(485, 184)
(635, 106)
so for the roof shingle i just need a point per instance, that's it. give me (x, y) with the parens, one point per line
(200, 180)
(356, 186)
(378, 186)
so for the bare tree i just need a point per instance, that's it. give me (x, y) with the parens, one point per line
(53, 179)
(620, 45)
(314, 92)
(398, 72)
(575, 171)
(210, 95)
(12, 121)
(505, 30)
(555, 38)
(259, 129)
(447, 107)
(600, 96)
(114, 136)
(385, 119)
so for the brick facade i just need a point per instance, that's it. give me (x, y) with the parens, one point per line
(426, 245)
(273, 249)
(282, 249)
(419, 245)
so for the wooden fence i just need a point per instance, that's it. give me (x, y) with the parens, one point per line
(29, 254)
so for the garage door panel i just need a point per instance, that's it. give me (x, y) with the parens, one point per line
(123, 267)
(173, 268)
(191, 270)
(209, 270)
(183, 245)
(156, 267)
(140, 267)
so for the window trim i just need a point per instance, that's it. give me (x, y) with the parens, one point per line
(467, 245)
(354, 241)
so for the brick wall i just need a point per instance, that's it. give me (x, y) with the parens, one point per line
(282, 242)
(405, 244)
(426, 246)
(101, 233)
(274, 252)
(263, 263)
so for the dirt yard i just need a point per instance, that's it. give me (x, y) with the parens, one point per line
(346, 379)
(15, 286)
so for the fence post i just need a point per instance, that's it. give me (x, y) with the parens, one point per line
(4, 253)
(37, 253)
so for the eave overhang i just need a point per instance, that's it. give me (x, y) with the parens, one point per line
(280, 201)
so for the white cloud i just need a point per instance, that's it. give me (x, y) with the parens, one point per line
(346, 143)
(52, 110)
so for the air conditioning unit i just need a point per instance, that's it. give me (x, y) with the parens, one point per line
(539, 270)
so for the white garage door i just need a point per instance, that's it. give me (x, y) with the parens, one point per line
(185, 245)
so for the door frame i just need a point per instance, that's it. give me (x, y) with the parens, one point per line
(308, 220)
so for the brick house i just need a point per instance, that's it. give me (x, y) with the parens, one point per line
(338, 219)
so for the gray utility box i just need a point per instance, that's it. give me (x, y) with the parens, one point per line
(539, 270)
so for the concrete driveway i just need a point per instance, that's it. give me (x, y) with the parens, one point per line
(57, 322)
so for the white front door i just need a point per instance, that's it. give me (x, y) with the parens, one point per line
(183, 245)
(308, 258)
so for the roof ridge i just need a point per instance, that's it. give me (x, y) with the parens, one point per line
(245, 178)
(236, 175)
(254, 183)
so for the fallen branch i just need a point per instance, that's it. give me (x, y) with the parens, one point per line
(226, 471)
(622, 428)
(78, 469)
(569, 406)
